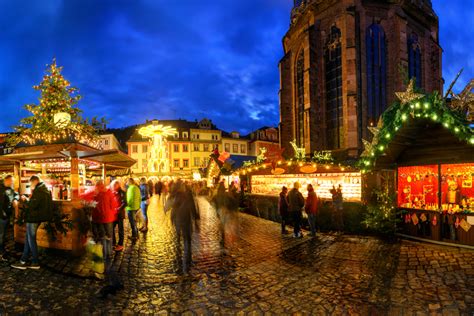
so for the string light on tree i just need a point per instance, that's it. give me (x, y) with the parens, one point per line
(56, 117)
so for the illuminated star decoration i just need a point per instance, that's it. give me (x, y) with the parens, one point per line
(410, 95)
(464, 101)
(368, 148)
(376, 130)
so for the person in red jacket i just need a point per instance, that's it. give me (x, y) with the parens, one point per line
(311, 208)
(104, 214)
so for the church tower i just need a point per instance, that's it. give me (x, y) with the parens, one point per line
(344, 60)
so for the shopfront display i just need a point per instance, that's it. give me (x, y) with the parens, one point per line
(457, 192)
(351, 183)
(424, 188)
(418, 187)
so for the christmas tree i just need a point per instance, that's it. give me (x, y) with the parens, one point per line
(56, 118)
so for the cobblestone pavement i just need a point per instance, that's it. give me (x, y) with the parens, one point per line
(257, 272)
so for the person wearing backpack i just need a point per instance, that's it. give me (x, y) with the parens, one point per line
(39, 208)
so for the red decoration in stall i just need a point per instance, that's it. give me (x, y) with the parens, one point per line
(457, 222)
(414, 219)
(434, 221)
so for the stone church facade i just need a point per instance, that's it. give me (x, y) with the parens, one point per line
(344, 60)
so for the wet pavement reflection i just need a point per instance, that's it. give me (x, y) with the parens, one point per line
(254, 269)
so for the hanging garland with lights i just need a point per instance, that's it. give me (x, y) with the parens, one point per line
(56, 117)
(417, 106)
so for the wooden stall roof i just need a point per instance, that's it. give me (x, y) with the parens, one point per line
(422, 142)
(113, 159)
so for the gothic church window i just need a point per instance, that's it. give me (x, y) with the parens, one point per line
(414, 59)
(376, 72)
(333, 75)
(300, 99)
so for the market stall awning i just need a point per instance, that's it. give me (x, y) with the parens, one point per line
(424, 142)
(112, 159)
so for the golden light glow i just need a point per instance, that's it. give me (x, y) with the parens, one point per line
(157, 133)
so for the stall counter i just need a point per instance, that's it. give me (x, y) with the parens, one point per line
(73, 241)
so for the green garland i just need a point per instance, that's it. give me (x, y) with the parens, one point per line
(428, 107)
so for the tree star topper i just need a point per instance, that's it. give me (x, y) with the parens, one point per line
(410, 95)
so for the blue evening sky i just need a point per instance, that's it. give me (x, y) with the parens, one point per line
(140, 59)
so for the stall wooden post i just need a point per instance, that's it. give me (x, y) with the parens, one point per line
(17, 188)
(103, 172)
(74, 178)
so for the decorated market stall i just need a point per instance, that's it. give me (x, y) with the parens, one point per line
(428, 143)
(264, 177)
(56, 143)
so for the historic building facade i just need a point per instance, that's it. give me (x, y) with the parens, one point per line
(190, 148)
(344, 60)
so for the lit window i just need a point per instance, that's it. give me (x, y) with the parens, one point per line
(242, 149)
(185, 148)
(145, 148)
(176, 163)
(106, 142)
(185, 163)
(176, 148)
(227, 147)
(134, 149)
(235, 148)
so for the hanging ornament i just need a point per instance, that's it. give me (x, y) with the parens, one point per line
(423, 218)
(409, 95)
(457, 222)
(434, 221)
(465, 225)
(414, 219)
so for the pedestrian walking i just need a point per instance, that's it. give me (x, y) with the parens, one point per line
(184, 215)
(158, 188)
(8, 204)
(133, 206)
(150, 187)
(295, 206)
(39, 208)
(337, 214)
(311, 208)
(165, 190)
(120, 197)
(283, 209)
(104, 215)
(145, 201)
